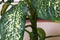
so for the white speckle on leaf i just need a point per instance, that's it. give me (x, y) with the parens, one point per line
(10, 19)
(0, 36)
(0, 16)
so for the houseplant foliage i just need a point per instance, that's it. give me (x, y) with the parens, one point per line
(12, 22)
(49, 9)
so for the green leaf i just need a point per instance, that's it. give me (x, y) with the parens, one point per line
(41, 33)
(48, 9)
(12, 23)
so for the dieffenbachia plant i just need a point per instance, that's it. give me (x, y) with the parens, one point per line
(12, 23)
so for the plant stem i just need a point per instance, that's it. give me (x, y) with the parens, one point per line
(53, 36)
(27, 31)
(34, 28)
(27, 26)
(33, 19)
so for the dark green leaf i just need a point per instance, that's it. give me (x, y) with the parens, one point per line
(41, 33)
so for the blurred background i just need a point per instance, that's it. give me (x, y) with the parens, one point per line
(51, 28)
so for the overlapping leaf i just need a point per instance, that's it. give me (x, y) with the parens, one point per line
(12, 23)
(49, 9)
